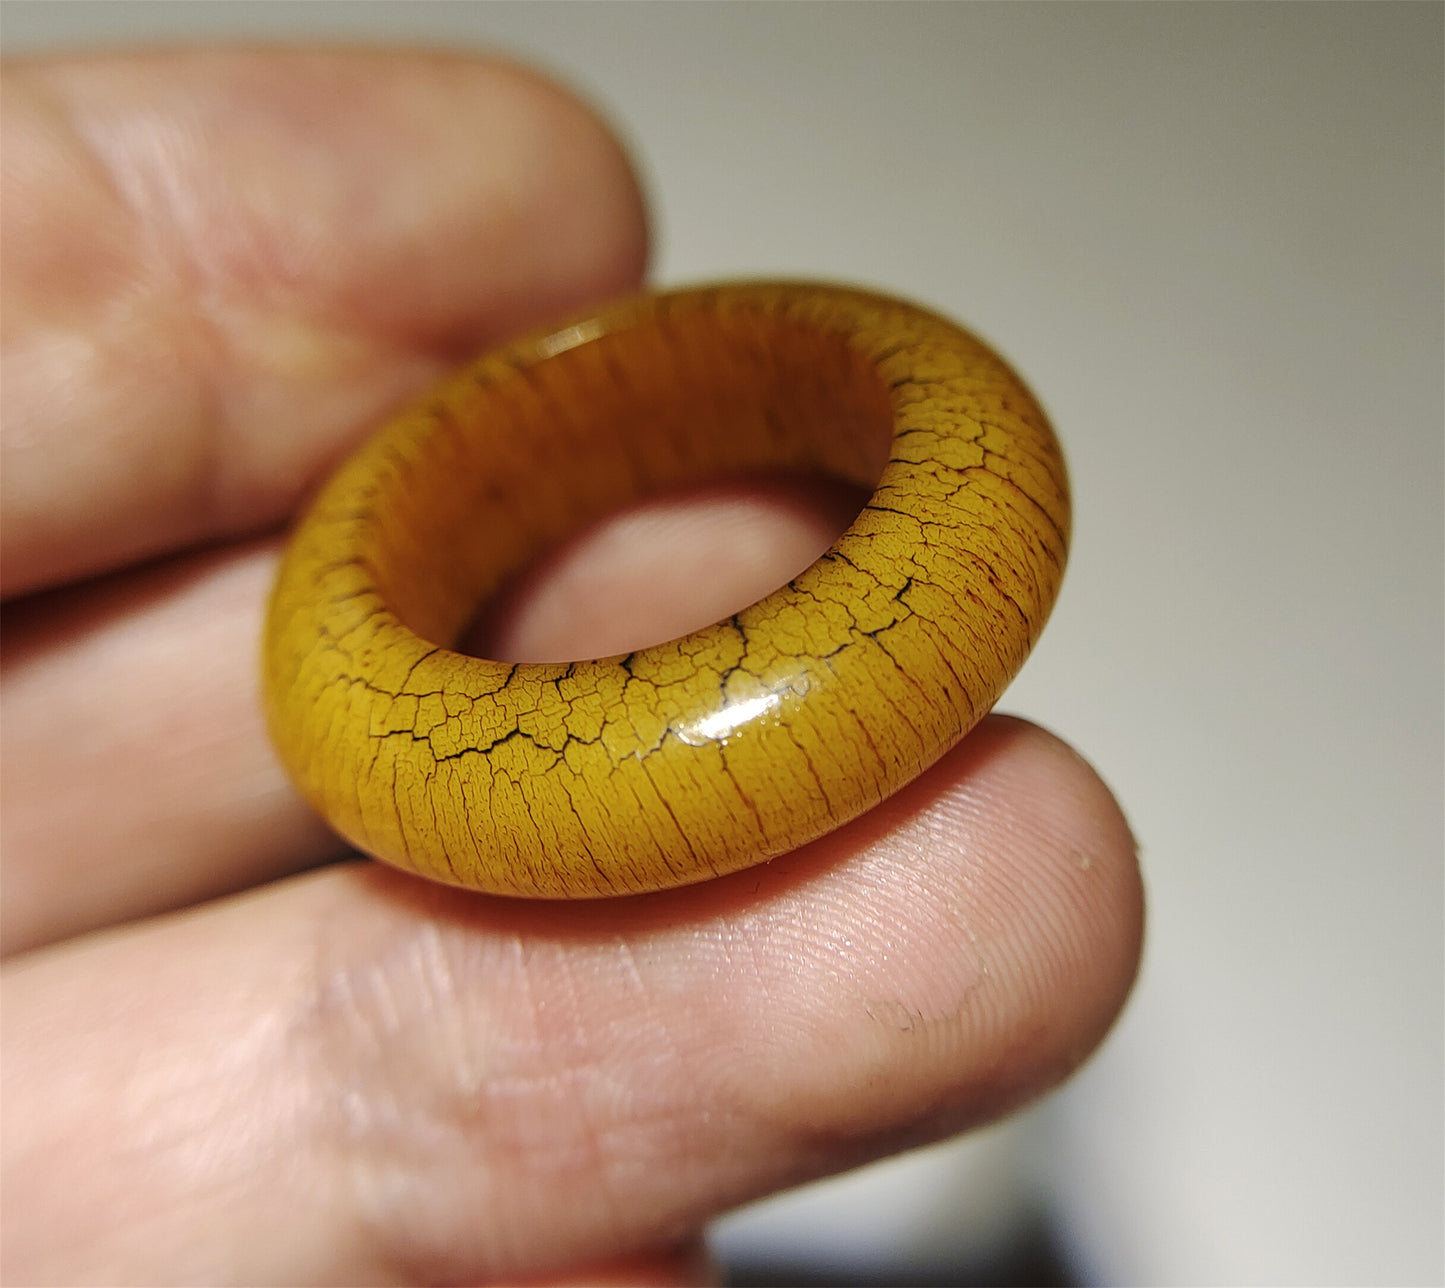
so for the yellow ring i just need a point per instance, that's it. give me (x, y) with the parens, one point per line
(724, 748)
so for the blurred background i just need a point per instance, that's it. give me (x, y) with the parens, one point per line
(1211, 237)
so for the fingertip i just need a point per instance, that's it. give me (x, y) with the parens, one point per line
(990, 913)
(1057, 802)
(591, 198)
(295, 241)
(1061, 892)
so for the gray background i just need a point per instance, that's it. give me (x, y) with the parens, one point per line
(1211, 238)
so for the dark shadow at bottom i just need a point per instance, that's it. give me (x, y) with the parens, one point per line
(1035, 1259)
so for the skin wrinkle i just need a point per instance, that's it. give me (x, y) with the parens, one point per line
(248, 233)
(173, 286)
(48, 291)
(579, 1084)
(395, 1155)
(591, 1097)
(389, 1119)
(786, 949)
(205, 1126)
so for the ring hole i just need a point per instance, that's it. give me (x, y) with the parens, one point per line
(663, 568)
(519, 454)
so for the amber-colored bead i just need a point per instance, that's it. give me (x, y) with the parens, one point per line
(724, 748)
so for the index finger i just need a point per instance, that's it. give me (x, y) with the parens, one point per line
(222, 266)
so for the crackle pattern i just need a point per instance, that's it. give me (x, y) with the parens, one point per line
(728, 746)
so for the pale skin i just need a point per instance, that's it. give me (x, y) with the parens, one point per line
(230, 1057)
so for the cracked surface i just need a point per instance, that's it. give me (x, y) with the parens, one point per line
(728, 746)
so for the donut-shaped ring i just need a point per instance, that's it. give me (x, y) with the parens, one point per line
(725, 747)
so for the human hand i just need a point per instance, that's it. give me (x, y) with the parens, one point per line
(226, 1062)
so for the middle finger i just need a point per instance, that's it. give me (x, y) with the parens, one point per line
(140, 776)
